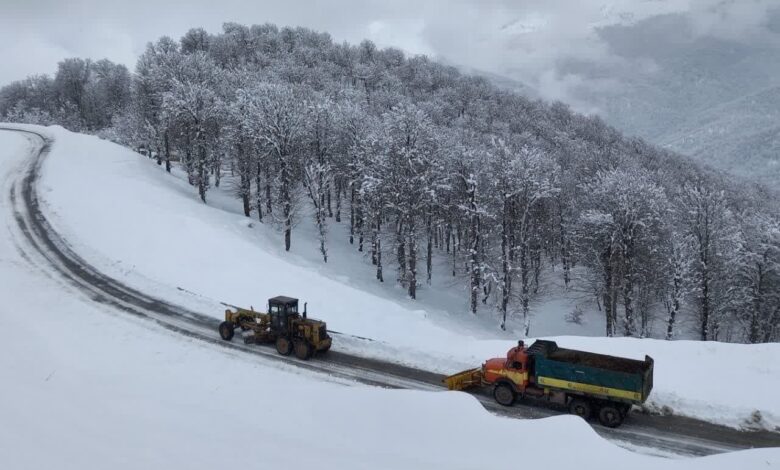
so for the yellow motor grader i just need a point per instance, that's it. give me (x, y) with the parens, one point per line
(282, 324)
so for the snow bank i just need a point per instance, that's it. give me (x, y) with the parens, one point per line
(131, 219)
(111, 392)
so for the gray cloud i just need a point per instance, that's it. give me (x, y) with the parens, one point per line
(526, 40)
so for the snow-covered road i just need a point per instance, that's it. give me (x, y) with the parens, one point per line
(37, 243)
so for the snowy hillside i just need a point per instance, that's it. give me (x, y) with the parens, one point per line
(519, 210)
(145, 227)
(742, 136)
(109, 391)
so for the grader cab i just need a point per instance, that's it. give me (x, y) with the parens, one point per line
(283, 324)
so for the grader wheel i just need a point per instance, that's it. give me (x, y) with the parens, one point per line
(226, 330)
(283, 346)
(302, 349)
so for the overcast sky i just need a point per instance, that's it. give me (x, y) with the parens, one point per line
(523, 39)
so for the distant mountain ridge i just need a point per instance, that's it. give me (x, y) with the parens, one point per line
(716, 99)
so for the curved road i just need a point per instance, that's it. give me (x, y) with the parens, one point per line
(651, 434)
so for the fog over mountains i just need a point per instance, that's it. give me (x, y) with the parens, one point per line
(697, 76)
(714, 97)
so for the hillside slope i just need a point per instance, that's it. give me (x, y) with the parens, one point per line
(86, 389)
(144, 227)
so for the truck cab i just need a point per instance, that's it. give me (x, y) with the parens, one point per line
(510, 375)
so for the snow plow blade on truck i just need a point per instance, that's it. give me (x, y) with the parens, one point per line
(463, 380)
(588, 384)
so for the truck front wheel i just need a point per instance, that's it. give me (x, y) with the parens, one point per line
(504, 394)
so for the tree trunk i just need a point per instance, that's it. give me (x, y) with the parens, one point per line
(359, 222)
(774, 324)
(754, 332)
(412, 244)
(321, 227)
(338, 201)
(525, 294)
(629, 327)
(203, 174)
(536, 265)
(675, 304)
(447, 235)
(245, 198)
(429, 252)
(167, 153)
(474, 255)
(245, 179)
(506, 275)
(217, 171)
(454, 257)
(606, 263)
(327, 196)
(268, 201)
(351, 213)
(286, 202)
(401, 253)
(564, 244)
(259, 191)
(704, 300)
(377, 236)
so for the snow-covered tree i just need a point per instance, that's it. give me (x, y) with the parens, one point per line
(423, 161)
(276, 115)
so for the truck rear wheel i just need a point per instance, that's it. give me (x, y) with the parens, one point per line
(302, 349)
(581, 408)
(610, 416)
(283, 346)
(504, 394)
(226, 330)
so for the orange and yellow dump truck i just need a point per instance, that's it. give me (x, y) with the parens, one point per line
(588, 384)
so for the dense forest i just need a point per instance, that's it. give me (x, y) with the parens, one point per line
(423, 162)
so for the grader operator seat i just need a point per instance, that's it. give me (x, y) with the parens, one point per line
(281, 308)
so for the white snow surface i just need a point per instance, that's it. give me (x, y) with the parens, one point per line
(132, 220)
(88, 388)
(85, 387)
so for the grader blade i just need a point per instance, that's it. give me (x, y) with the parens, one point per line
(465, 379)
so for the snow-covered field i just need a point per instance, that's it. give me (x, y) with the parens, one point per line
(147, 228)
(84, 388)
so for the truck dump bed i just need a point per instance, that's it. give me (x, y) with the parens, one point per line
(616, 378)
